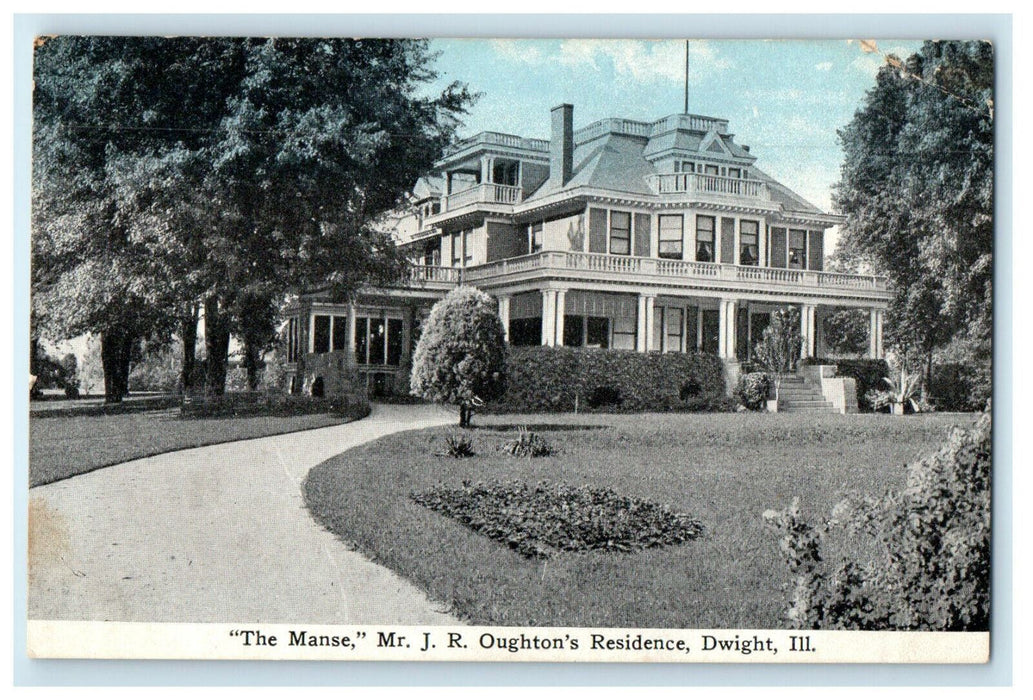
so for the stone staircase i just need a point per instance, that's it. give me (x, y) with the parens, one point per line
(796, 395)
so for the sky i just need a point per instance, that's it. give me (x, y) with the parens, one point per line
(785, 99)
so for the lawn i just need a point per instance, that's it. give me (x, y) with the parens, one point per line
(61, 446)
(722, 470)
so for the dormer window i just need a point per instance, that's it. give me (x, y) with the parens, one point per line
(711, 170)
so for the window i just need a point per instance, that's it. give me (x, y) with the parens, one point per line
(674, 327)
(748, 251)
(535, 237)
(467, 248)
(378, 341)
(711, 170)
(685, 166)
(432, 253)
(598, 333)
(505, 173)
(321, 338)
(457, 249)
(620, 233)
(624, 333)
(573, 331)
(525, 331)
(339, 334)
(292, 340)
(671, 236)
(735, 172)
(797, 249)
(705, 238)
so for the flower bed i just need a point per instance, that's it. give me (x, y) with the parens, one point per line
(539, 520)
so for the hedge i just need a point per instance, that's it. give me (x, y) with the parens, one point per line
(269, 404)
(867, 374)
(559, 379)
(954, 387)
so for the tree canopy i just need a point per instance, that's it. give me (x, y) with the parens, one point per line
(221, 172)
(917, 190)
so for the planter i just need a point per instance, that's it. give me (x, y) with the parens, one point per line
(772, 405)
(897, 409)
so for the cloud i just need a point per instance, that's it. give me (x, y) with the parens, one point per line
(824, 66)
(643, 61)
(518, 51)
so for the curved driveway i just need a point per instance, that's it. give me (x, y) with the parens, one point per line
(215, 534)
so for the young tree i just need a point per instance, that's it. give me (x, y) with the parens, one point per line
(460, 359)
(779, 348)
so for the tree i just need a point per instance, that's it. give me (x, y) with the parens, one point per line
(208, 173)
(917, 190)
(846, 332)
(460, 359)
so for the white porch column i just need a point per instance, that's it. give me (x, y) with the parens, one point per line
(548, 317)
(807, 330)
(726, 329)
(879, 316)
(351, 328)
(312, 330)
(561, 306)
(504, 314)
(819, 334)
(485, 169)
(640, 333)
(650, 306)
(873, 334)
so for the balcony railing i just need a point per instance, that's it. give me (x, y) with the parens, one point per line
(698, 183)
(487, 192)
(683, 269)
(433, 273)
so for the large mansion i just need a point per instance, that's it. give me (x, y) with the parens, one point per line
(649, 236)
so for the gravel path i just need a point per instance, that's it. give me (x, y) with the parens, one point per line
(215, 534)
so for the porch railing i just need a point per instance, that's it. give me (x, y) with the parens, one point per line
(698, 183)
(487, 192)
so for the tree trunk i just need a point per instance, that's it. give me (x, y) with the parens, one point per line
(189, 334)
(217, 345)
(251, 362)
(465, 412)
(115, 346)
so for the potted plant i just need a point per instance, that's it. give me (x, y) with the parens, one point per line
(779, 349)
(900, 393)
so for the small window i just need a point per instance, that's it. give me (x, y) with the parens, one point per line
(748, 235)
(797, 249)
(711, 170)
(340, 333)
(688, 166)
(620, 233)
(705, 239)
(674, 328)
(671, 236)
(535, 237)
(467, 248)
(735, 172)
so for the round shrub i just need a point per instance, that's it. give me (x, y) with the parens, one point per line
(752, 390)
(460, 359)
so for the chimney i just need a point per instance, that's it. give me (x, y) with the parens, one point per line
(561, 146)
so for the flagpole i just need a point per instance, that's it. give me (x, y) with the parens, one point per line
(686, 76)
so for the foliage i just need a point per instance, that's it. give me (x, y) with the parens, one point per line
(866, 373)
(954, 388)
(917, 190)
(157, 370)
(553, 379)
(173, 172)
(540, 520)
(460, 359)
(846, 331)
(902, 391)
(779, 348)
(752, 389)
(458, 445)
(932, 571)
(527, 444)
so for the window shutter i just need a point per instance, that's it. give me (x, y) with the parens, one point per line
(816, 252)
(596, 230)
(778, 247)
(727, 240)
(643, 235)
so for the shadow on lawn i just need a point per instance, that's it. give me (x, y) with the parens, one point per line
(538, 427)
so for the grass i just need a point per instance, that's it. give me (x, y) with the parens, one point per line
(724, 470)
(64, 445)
